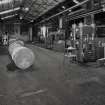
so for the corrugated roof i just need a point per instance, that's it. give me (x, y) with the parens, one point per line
(36, 8)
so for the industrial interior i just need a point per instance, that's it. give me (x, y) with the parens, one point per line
(52, 52)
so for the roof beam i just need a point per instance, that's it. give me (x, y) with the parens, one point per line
(49, 8)
(9, 16)
(81, 3)
(10, 10)
(32, 3)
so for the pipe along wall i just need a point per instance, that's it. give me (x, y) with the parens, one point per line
(22, 56)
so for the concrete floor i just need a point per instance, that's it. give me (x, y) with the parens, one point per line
(51, 81)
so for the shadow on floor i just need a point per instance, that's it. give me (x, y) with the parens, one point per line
(12, 67)
(3, 50)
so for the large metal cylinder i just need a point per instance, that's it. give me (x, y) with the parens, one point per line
(22, 56)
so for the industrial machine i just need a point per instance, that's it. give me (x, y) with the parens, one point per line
(83, 38)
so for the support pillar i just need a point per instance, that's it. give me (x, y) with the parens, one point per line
(17, 28)
(30, 33)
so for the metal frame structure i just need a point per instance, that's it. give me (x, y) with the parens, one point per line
(63, 11)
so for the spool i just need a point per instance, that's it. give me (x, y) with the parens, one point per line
(22, 56)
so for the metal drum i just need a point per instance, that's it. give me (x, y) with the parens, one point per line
(23, 57)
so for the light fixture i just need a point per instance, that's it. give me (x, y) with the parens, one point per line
(10, 10)
(20, 17)
(32, 20)
(76, 1)
(103, 8)
(69, 10)
(26, 9)
(63, 7)
(9, 16)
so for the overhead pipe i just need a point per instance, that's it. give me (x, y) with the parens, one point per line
(2, 2)
(9, 16)
(10, 10)
(79, 4)
(76, 11)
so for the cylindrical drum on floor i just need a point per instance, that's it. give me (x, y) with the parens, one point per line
(23, 57)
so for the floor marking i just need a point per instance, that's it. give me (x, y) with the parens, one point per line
(33, 93)
(1, 95)
(84, 80)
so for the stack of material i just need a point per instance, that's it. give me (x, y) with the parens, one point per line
(22, 56)
(101, 62)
